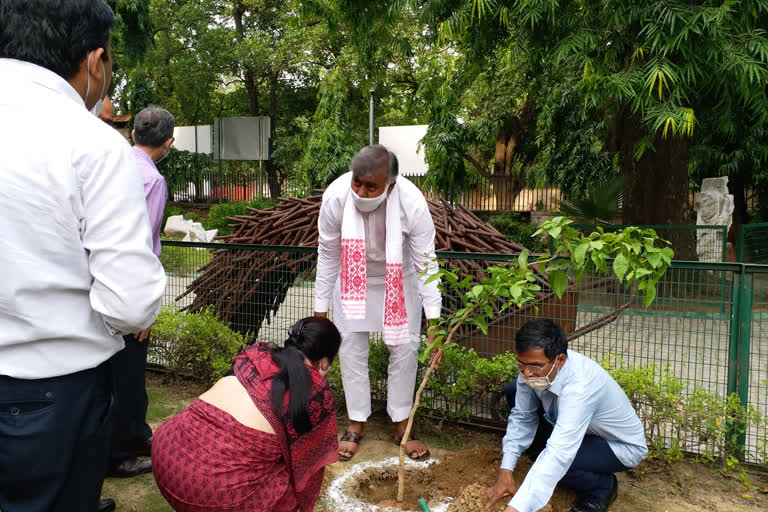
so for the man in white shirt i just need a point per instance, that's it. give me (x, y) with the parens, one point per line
(572, 419)
(76, 261)
(375, 237)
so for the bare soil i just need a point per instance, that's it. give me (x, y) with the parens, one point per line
(654, 487)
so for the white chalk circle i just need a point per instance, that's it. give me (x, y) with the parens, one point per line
(337, 500)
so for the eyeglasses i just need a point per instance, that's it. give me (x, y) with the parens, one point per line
(535, 368)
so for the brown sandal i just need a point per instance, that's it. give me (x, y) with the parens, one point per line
(411, 455)
(350, 437)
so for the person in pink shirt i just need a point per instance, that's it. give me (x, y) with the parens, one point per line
(132, 437)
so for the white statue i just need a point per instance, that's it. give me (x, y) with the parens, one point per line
(714, 207)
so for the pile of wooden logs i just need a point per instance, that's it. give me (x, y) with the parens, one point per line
(245, 286)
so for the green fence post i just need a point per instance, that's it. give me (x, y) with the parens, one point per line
(738, 360)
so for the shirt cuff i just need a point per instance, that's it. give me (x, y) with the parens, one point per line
(321, 305)
(509, 461)
(519, 503)
(432, 311)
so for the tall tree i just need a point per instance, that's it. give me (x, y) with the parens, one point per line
(648, 67)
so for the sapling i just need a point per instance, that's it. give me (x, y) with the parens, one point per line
(640, 259)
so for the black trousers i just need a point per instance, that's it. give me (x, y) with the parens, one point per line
(591, 473)
(130, 426)
(54, 438)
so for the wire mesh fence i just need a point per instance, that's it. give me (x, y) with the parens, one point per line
(752, 245)
(706, 326)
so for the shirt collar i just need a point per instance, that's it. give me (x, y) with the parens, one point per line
(41, 76)
(562, 376)
(140, 153)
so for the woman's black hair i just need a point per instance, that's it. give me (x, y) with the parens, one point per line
(313, 338)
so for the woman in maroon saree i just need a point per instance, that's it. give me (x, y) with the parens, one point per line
(260, 439)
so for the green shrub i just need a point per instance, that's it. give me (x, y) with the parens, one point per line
(183, 261)
(217, 217)
(194, 343)
(514, 227)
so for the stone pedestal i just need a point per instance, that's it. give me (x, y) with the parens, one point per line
(714, 207)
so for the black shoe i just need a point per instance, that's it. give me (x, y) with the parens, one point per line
(590, 505)
(106, 506)
(130, 468)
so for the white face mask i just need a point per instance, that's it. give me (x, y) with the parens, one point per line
(368, 204)
(96, 109)
(323, 372)
(540, 383)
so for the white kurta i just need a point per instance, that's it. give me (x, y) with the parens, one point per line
(418, 252)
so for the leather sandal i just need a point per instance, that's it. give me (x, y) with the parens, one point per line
(350, 437)
(411, 454)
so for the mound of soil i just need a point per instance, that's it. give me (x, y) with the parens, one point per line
(463, 476)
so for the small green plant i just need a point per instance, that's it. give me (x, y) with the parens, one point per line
(514, 227)
(197, 344)
(217, 217)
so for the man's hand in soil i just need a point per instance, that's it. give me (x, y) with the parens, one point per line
(505, 486)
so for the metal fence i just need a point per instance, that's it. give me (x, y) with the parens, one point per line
(706, 325)
(485, 196)
(752, 245)
(213, 186)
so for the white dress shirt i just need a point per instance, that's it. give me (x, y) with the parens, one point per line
(418, 251)
(584, 399)
(76, 262)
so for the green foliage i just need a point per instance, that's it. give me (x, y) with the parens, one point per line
(181, 167)
(333, 141)
(464, 378)
(697, 420)
(183, 261)
(514, 227)
(639, 256)
(195, 343)
(217, 216)
(602, 202)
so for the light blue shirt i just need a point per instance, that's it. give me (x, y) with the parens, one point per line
(584, 399)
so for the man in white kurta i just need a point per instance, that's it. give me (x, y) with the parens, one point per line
(373, 180)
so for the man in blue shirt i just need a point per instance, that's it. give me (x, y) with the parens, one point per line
(572, 419)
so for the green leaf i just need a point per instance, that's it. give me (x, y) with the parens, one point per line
(650, 295)
(555, 232)
(620, 266)
(522, 260)
(477, 290)
(432, 279)
(558, 281)
(580, 252)
(482, 324)
(597, 244)
(654, 258)
(667, 254)
(516, 291)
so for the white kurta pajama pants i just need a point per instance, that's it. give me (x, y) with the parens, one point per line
(401, 376)
(353, 353)
(418, 252)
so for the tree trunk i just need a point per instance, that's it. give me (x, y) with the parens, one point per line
(737, 185)
(272, 171)
(658, 191)
(238, 10)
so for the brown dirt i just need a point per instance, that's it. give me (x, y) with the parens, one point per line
(477, 467)
(654, 487)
